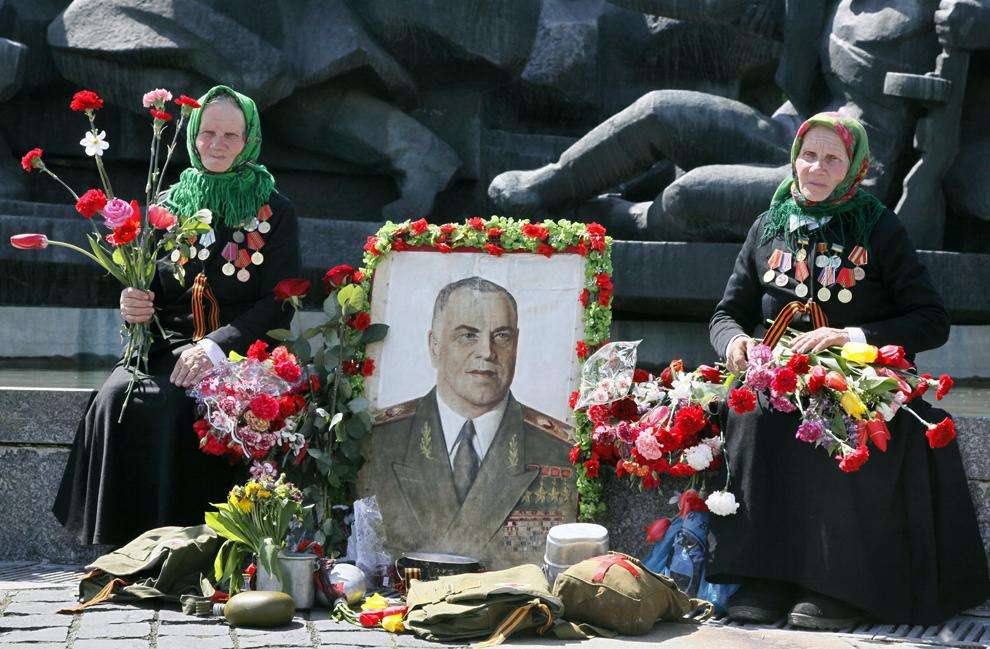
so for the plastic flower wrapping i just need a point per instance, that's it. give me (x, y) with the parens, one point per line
(650, 426)
(251, 407)
(843, 397)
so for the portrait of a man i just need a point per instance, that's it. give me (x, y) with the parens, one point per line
(466, 468)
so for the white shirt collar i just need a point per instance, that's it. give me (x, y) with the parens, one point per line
(813, 222)
(485, 426)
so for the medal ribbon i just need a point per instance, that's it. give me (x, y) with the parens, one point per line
(846, 278)
(859, 256)
(200, 290)
(783, 320)
(775, 258)
(801, 271)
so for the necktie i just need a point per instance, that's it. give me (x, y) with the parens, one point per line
(465, 461)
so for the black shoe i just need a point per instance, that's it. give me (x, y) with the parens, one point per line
(816, 611)
(761, 601)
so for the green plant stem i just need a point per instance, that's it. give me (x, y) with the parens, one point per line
(76, 249)
(60, 182)
(168, 154)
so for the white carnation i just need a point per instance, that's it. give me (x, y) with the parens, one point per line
(714, 443)
(722, 503)
(699, 457)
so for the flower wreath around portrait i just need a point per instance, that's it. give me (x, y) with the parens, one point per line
(339, 416)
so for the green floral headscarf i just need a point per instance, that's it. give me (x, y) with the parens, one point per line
(235, 195)
(854, 211)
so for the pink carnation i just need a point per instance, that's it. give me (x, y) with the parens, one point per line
(229, 405)
(648, 446)
(782, 404)
(157, 97)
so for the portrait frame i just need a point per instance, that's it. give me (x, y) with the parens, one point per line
(497, 236)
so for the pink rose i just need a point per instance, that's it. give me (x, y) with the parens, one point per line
(157, 97)
(116, 213)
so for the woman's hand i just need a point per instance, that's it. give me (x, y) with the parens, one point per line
(738, 353)
(819, 339)
(137, 306)
(191, 366)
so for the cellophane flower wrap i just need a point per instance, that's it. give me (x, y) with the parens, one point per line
(128, 242)
(651, 428)
(843, 397)
(251, 407)
(256, 519)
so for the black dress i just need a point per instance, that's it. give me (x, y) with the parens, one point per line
(123, 479)
(899, 538)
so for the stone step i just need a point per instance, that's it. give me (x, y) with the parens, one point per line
(37, 427)
(658, 280)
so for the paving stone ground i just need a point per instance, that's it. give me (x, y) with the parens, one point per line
(29, 619)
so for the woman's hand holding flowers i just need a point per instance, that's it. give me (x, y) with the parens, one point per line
(137, 306)
(192, 365)
(819, 339)
(738, 353)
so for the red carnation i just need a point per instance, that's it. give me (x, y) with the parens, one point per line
(351, 368)
(288, 371)
(281, 353)
(258, 350)
(160, 114)
(681, 470)
(945, 384)
(591, 466)
(574, 454)
(710, 374)
(357, 277)
(941, 433)
(476, 222)
(264, 406)
(418, 227)
(314, 383)
(604, 297)
(742, 400)
(368, 367)
(581, 348)
(361, 320)
(604, 282)
(595, 229)
(784, 381)
(442, 247)
(86, 100)
(545, 249)
(854, 460)
(799, 363)
(289, 405)
(494, 250)
(573, 399)
(290, 288)
(598, 413)
(624, 409)
(584, 298)
(640, 375)
(370, 246)
(337, 276)
(495, 233)
(32, 160)
(447, 228)
(91, 202)
(187, 101)
(399, 244)
(650, 481)
(535, 231)
(690, 419)
(816, 379)
(691, 501)
(922, 387)
(125, 233)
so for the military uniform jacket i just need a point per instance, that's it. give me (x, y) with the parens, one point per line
(524, 486)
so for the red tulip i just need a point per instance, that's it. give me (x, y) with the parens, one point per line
(878, 432)
(816, 379)
(892, 356)
(836, 381)
(29, 241)
(656, 530)
(290, 288)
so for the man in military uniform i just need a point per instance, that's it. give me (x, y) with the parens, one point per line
(467, 469)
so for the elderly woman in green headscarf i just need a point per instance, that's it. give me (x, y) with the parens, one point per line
(897, 540)
(148, 471)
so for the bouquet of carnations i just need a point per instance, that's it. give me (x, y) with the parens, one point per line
(255, 520)
(251, 407)
(844, 396)
(649, 427)
(129, 243)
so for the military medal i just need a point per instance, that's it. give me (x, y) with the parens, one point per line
(821, 260)
(230, 254)
(783, 267)
(248, 233)
(265, 213)
(774, 262)
(859, 258)
(847, 281)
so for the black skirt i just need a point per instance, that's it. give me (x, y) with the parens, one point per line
(145, 472)
(898, 538)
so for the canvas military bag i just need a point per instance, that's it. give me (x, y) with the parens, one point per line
(492, 605)
(616, 592)
(163, 563)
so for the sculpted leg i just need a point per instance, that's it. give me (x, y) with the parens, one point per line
(690, 128)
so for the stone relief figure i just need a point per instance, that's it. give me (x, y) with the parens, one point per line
(835, 56)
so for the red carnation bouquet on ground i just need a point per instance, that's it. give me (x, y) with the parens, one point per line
(127, 243)
(649, 426)
(252, 407)
(844, 396)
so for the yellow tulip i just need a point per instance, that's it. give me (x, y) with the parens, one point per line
(859, 353)
(393, 624)
(852, 404)
(374, 602)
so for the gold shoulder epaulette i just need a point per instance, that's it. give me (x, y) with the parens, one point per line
(394, 413)
(548, 424)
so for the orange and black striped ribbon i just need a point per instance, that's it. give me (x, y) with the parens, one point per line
(783, 320)
(201, 289)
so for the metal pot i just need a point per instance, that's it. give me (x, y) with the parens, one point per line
(297, 569)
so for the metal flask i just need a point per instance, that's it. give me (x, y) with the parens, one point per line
(257, 608)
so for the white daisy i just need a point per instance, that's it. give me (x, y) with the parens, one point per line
(95, 143)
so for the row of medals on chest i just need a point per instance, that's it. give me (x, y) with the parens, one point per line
(238, 258)
(828, 263)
